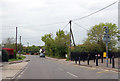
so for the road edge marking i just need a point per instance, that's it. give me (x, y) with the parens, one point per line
(72, 74)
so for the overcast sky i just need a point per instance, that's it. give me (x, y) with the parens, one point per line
(30, 15)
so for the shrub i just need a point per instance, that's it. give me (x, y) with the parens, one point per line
(19, 57)
(0, 56)
(5, 56)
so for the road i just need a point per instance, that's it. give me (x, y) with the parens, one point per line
(42, 68)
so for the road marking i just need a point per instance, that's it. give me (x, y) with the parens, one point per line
(19, 76)
(22, 72)
(93, 68)
(60, 69)
(72, 74)
(106, 71)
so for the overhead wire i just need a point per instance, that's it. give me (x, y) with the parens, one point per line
(95, 11)
(40, 24)
(65, 26)
(78, 18)
(80, 26)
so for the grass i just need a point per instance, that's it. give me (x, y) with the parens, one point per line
(55, 57)
(17, 58)
(67, 59)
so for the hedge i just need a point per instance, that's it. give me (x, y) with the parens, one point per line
(5, 56)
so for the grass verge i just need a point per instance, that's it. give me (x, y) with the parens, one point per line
(17, 58)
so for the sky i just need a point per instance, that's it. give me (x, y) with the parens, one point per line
(32, 16)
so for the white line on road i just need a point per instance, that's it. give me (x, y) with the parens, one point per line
(22, 72)
(72, 74)
(19, 76)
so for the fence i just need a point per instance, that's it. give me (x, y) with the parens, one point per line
(92, 55)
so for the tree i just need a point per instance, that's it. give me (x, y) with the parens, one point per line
(96, 33)
(9, 42)
(58, 46)
(48, 39)
(62, 43)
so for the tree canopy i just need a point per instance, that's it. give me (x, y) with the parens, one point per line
(95, 42)
(58, 46)
(96, 33)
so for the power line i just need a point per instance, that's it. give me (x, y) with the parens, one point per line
(76, 19)
(52, 23)
(39, 25)
(96, 11)
(65, 26)
(80, 26)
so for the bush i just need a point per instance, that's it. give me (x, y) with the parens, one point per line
(32, 53)
(23, 53)
(0, 56)
(5, 56)
(19, 57)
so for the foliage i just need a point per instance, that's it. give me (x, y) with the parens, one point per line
(31, 49)
(58, 46)
(18, 58)
(5, 56)
(10, 43)
(96, 33)
(95, 43)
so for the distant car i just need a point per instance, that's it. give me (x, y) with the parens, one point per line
(42, 55)
(35, 53)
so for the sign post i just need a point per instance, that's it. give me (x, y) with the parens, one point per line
(106, 39)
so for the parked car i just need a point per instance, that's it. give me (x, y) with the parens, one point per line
(35, 53)
(42, 55)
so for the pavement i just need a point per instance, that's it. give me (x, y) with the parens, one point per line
(91, 63)
(9, 70)
(50, 68)
(1, 64)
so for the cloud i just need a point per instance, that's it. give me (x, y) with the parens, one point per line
(28, 15)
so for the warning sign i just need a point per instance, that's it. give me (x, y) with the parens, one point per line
(104, 54)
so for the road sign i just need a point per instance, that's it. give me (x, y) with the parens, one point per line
(106, 30)
(104, 54)
(105, 38)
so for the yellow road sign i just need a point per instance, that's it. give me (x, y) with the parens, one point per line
(104, 54)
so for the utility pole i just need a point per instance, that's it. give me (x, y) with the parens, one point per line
(107, 46)
(16, 44)
(73, 38)
(28, 44)
(20, 45)
(28, 47)
(70, 40)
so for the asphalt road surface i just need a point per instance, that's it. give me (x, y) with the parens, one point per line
(42, 68)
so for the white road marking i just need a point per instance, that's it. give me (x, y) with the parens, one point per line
(72, 74)
(19, 76)
(22, 72)
(107, 71)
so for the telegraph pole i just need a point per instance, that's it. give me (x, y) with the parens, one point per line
(28, 44)
(73, 38)
(70, 40)
(16, 44)
(20, 45)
